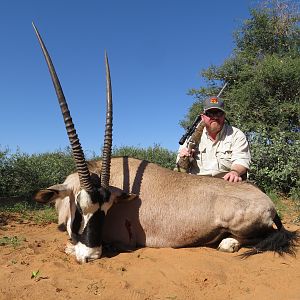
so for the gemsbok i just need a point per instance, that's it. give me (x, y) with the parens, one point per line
(132, 203)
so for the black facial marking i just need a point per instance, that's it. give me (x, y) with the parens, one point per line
(76, 224)
(100, 195)
(92, 233)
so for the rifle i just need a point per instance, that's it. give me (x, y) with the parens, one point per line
(193, 134)
(189, 131)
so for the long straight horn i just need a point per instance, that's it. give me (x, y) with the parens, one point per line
(82, 169)
(106, 155)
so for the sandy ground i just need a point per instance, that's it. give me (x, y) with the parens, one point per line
(190, 273)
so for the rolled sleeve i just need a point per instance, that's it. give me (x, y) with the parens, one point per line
(240, 150)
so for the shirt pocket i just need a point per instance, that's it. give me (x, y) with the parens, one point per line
(200, 153)
(224, 156)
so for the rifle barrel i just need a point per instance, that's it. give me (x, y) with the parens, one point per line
(224, 86)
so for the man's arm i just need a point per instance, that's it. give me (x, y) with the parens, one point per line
(235, 175)
(240, 158)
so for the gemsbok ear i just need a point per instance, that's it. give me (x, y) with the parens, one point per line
(119, 196)
(51, 193)
(124, 197)
(45, 196)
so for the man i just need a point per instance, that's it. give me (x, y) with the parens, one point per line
(223, 150)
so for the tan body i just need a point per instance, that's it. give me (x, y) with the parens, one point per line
(175, 209)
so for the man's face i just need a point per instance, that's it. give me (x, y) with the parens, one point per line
(214, 120)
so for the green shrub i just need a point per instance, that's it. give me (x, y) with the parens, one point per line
(155, 154)
(22, 174)
(274, 168)
(275, 164)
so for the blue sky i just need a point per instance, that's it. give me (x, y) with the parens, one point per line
(156, 50)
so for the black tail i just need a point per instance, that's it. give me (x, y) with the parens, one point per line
(280, 241)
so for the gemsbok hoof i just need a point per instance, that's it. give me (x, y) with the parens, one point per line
(229, 245)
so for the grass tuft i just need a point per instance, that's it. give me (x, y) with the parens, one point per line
(13, 241)
(25, 211)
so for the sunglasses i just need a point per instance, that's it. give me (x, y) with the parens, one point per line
(214, 113)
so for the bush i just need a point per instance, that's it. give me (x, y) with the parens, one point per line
(274, 168)
(275, 164)
(22, 174)
(155, 154)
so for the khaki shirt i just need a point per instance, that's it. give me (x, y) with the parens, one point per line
(215, 158)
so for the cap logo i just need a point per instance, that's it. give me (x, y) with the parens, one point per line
(214, 100)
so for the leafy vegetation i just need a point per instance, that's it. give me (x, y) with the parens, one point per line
(154, 154)
(22, 174)
(27, 211)
(263, 96)
(13, 241)
(35, 274)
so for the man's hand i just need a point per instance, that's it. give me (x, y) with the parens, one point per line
(233, 176)
(186, 152)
